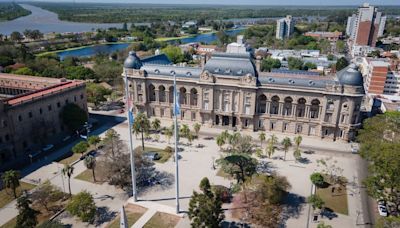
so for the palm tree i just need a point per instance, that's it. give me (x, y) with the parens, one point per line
(68, 171)
(220, 141)
(156, 124)
(297, 140)
(196, 128)
(94, 140)
(90, 163)
(261, 137)
(225, 135)
(142, 125)
(11, 180)
(286, 143)
(297, 153)
(168, 133)
(185, 131)
(190, 137)
(271, 145)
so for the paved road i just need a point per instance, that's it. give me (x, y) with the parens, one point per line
(368, 204)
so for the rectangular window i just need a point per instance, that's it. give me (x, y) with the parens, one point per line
(272, 125)
(312, 130)
(49, 107)
(260, 123)
(247, 109)
(285, 126)
(30, 115)
(206, 105)
(58, 104)
(20, 118)
(162, 112)
(193, 116)
(40, 111)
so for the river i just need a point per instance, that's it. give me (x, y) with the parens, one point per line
(47, 22)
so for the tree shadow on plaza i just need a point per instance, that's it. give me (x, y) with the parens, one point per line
(292, 207)
(103, 215)
(233, 224)
(266, 167)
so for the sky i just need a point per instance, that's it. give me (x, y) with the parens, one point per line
(246, 2)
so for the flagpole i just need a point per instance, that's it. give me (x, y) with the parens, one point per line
(128, 110)
(176, 146)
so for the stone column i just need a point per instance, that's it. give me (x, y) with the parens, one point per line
(280, 109)
(307, 114)
(319, 112)
(157, 92)
(167, 96)
(221, 94)
(267, 108)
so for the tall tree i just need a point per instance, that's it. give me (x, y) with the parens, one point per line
(220, 141)
(83, 206)
(380, 146)
(16, 36)
(341, 63)
(239, 166)
(68, 171)
(205, 209)
(141, 125)
(80, 147)
(26, 217)
(11, 180)
(90, 163)
(45, 194)
(286, 143)
(94, 140)
(297, 140)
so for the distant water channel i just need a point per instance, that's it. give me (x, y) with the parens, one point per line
(110, 48)
(48, 22)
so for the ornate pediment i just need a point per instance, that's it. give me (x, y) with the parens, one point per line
(249, 80)
(207, 77)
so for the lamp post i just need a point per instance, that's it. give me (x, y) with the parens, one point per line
(132, 155)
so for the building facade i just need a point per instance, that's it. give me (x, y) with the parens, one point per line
(381, 76)
(366, 26)
(30, 114)
(229, 91)
(284, 27)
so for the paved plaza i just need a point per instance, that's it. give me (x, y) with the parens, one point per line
(196, 163)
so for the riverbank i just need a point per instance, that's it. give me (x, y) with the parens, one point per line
(83, 46)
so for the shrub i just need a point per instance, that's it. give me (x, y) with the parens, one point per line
(83, 206)
(317, 179)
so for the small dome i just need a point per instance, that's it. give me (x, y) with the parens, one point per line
(133, 62)
(350, 76)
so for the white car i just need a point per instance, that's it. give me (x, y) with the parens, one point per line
(382, 209)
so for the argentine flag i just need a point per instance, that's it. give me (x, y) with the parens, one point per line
(131, 117)
(177, 108)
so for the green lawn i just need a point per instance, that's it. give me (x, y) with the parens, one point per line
(133, 213)
(70, 159)
(87, 175)
(6, 195)
(335, 201)
(165, 156)
(162, 220)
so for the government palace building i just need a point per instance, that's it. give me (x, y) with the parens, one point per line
(229, 91)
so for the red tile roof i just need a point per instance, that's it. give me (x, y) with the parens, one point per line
(43, 92)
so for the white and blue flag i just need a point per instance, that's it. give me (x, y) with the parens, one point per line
(177, 108)
(131, 117)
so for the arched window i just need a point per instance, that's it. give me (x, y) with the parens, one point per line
(152, 93)
(182, 96)
(193, 97)
(314, 109)
(161, 93)
(171, 94)
(274, 105)
(262, 103)
(287, 107)
(301, 107)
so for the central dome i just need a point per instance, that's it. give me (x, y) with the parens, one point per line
(350, 76)
(133, 61)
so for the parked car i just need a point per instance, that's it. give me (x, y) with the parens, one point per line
(382, 209)
(152, 156)
(354, 148)
(48, 147)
